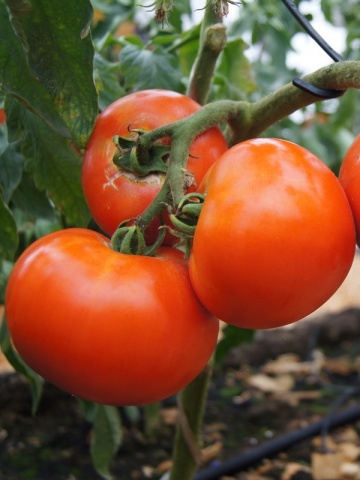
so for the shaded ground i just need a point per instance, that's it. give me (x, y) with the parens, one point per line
(251, 400)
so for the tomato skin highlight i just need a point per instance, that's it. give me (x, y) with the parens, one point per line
(349, 177)
(113, 194)
(107, 327)
(275, 238)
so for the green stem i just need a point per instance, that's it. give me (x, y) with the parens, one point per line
(212, 43)
(183, 133)
(155, 208)
(152, 419)
(288, 99)
(192, 405)
(244, 120)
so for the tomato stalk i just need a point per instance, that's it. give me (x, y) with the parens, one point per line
(288, 99)
(182, 134)
(244, 120)
(187, 454)
(247, 120)
(212, 43)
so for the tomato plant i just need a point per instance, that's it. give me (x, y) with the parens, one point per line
(284, 239)
(112, 328)
(258, 272)
(115, 194)
(349, 177)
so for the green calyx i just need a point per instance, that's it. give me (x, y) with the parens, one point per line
(132, 156)
(129, 239)
(187, 214)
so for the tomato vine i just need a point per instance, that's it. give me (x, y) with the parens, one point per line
(50, 118)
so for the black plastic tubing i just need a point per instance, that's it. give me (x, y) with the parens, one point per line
(279, 444)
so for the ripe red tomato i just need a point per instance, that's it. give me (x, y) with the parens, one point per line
(107, 327)
(349, 177)
(275, 238)
(114, 194)
(2, 116)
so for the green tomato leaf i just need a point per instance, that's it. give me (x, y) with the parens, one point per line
(9, 238)
(5, 269)
(234, 76)
(11, 168)
(30, 200)
(35, 381)
(107, 78)
(53, 163)
(144, 69)
(57, 169)
(17, 80)
(107, 437)
(56, 40)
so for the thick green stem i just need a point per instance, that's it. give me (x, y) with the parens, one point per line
(192, 402)
(156, 207)
(244, 120)
(152, 419)
(183, 133)
(288, 99)
(212, 43)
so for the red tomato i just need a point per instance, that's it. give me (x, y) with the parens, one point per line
(107, 327)
(2, 116)
(275, 238)
(114, 194)
(349, 177)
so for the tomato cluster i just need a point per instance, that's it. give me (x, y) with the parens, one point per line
(274, 240)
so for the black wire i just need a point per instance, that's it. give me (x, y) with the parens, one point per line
(349, 392)
(324, 93)
(279, 444)
(304, 22)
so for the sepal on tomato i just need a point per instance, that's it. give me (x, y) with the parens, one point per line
(187, 213)
(129, 240)
(132, 156)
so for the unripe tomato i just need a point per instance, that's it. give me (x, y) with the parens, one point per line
(107, 327)
(349, 177)
(114, 194)
(275, 238)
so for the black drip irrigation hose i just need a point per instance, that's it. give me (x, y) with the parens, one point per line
(279, 444)
(310, 30)
(324, 93)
